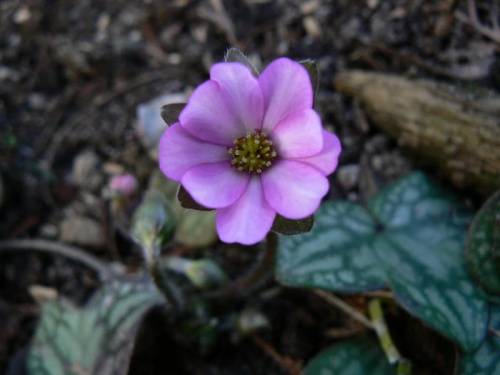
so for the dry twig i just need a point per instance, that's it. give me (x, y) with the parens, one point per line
(472, 19)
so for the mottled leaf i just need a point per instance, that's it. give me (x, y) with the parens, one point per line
(486, 359)
(96, 339)
(420, 247)
(335, 254)
(483, 245)
(170, 112)
(313, 70)
(233, 54)
(413, 238)
(361, 356)
(290, 227)
(187, 201)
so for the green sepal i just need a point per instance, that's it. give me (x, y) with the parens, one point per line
(171, 112)
(290, 227)
(187, 201)
(233, 54)
(313, 71)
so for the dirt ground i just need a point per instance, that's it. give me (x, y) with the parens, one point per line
(72, 74)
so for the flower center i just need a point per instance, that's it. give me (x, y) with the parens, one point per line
(252, 153)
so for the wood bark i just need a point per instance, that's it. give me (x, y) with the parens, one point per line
(454, 130)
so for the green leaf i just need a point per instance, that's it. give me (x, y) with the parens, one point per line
(421, 251)
(335, 255)
(170, 112)
(483, 245)
(486, 359)
(413, 238)
(361, 356)
(313, 70)
(233, 54)
(96, 339)
(290, 227)
(195, 228)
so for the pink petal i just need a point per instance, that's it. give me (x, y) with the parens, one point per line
(222, 109)
(215, 185)
(298, 135)
(180, 151)
(249, 219)
(286, 88)
(294, 189)
(326, 161)
(241, 92)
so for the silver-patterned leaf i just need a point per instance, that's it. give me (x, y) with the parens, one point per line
(483, 245)
(96, 339)
(335, 254)
(413, 238)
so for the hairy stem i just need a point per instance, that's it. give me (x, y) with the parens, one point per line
(254, 276)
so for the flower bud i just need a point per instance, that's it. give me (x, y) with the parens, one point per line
(153, 224)
(124, 185)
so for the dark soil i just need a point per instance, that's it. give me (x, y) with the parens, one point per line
(71, 76)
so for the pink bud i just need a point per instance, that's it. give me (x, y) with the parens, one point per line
(125, 185)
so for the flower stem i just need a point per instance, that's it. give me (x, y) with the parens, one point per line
(172, 294)
(403, 366)
(254, 276)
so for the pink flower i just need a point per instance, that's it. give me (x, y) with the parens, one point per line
(251, 148)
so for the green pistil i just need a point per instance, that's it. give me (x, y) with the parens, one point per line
(252, 153)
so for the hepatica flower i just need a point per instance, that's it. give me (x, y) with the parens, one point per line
(251, 148)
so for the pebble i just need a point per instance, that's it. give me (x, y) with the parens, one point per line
(22, 16)
(86, 171)
(151, 124)
(49, 231)
(348, 176)
(82, 231)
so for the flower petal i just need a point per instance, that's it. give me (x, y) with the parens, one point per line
(224, 108)
(294, 189)
(326, 161)
(180, 151)
(241, 92)
(298, 135)
(249, 219)
(286, 88)
(215, 185)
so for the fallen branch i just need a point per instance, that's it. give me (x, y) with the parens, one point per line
(445, 127)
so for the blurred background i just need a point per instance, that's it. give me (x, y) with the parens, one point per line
(81, 84)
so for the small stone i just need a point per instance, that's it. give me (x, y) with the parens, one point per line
(348, 176)
(377, 163)
(49, 231)
(86, 171)
(82, 231)
(376, 144)
(113, 168)
(37, 101)
(151, 125)
(22, 16)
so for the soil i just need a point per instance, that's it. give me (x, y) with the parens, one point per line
(71, 76)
